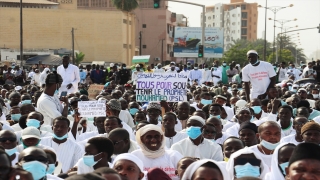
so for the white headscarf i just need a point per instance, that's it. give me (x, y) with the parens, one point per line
(195, 165)
(147, 152)
(246, 150)
(275, 172)
(197, 118)
(130, 157)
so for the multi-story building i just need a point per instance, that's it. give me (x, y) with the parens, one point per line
(239, 20)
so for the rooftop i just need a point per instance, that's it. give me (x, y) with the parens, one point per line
(30, 2)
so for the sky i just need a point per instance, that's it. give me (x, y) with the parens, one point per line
(307, 13)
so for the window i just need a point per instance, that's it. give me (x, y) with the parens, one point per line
(233, 23)
(213, 16)
(144, 26)
(213, 25)
(244, 23)
(125, 45)
(244, 15)
(233, 15)
(243, 31)
(209, 17)
(144, 46)
(243, 6)
(124, 21)
(243, 37)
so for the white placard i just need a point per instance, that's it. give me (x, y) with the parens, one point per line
(92, 108)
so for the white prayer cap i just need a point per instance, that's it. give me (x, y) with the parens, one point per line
(241, 103)
(197, 118)
(130, 157)
(18, 88)
(111, 64)
(252, 52)
(137, 65)
(192, 168)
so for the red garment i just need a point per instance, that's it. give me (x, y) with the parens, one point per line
(157, 174)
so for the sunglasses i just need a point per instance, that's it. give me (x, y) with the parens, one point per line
(7, 139)
(243, 161)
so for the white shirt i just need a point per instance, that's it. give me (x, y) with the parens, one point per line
(178, 137)
(168, 162)
(195, 105)
(36, 79)
(266, 158)
(68, 152)
(283, 74)
(52, 177)
(43, 76)
(307, 71)
(87, 135)
(158, 70)
(195, 75)
(69, 75)
(229, 111)
(234, 130)
(170, 71)
(223, 138)
(290, 139)
(185, 73)
(295, 72)
(50, 107)
(259, 76)
(206, 150)
(206, 75)
(126, 117)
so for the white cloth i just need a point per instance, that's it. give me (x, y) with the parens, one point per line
(234, 130)
(295, 72)
(223, 138)
(307, 72)
(42, 135)
(6, 127)
(178, 137)
(15, 160)
(134, 76)
(215, 80)
(126, 117)
(83, 143)
(259, 76)
(246, 150)
(195, 75)
(206, 76)
(195, 105)
(50, 107)
(283, 74)
(167, 162)
(36, 79)
(52, 177)
(290, 139)
(266, 158)
(69, 75)
(83, 169)
(169, 71)
(205, 150)
(229, 111)
(275, 172)
(86, 135)
(43, 76)
(185, 73)
(158, 70)
(68, 152)
(228, 125)
(192, 168)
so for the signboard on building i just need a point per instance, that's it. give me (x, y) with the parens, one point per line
(188, 39)
(155, 87)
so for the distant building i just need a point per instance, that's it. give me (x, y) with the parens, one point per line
(239, 20)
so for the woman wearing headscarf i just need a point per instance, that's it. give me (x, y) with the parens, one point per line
(246, 162)
(280, 161)
(204, 169)
(153, 153)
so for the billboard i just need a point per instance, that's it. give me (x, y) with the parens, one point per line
(188, 39)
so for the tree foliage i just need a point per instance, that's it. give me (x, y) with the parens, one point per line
(286, 56)
(125, 5)
(79, 57)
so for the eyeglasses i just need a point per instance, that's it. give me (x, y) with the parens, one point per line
(7, 139)
(117, 142)
(243, 161)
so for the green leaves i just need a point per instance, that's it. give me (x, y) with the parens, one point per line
(79, 57)
(126, 5)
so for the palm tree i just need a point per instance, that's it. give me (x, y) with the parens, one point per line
(79, 57)
(126, 5)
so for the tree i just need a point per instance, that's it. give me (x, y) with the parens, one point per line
(286, 56)
(79, 57)
(126, 5)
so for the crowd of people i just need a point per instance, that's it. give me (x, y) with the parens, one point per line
(249, 123)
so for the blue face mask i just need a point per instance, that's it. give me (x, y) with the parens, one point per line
(26, 101)
(215, 68)
(205, 102)
(24, 146)
(290, 67)
(51, 168)
(256, 109)
(90, 118)
(268, 145)
(56, 92)
(89, 160)
(11, 151)
(133, 111)
(283, 167)
(33, 123)
(62, 137)
(252, 118)
(193, 132)
(15, 117)
(256, 62)
(247, 170)
(53, 69)
(159, 118)
(36, 168)
(294, 90)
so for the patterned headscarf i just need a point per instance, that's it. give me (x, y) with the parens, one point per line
(114, 104)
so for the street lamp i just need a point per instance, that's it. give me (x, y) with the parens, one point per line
(274, 9)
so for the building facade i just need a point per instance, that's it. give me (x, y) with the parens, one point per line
(101, 35)
(239, 20)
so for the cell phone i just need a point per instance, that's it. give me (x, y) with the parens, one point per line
(63, 93)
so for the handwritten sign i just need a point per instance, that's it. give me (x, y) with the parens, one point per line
(92, 108)
(154, 87)
(94, 90)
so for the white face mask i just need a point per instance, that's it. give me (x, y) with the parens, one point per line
(315, 96)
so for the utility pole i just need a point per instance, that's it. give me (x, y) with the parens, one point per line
(162, 52)
(73, 59)
(21, 35)
(265, 34)
(140, 43)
